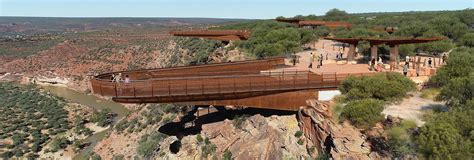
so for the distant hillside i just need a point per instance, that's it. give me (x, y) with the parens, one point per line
(33, 25)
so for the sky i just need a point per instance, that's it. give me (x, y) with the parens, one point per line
(249, 9)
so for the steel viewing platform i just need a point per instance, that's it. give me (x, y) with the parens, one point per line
(263, 83)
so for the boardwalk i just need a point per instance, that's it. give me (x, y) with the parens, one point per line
(253, 83)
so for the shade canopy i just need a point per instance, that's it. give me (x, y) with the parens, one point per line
(390, 42)
(301, 23)
(224, 35)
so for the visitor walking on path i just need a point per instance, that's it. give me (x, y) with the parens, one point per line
(405, 69)
(444, 58)
(311, 60)
(429, 62)
(321, 60)
(372, 64)
(418, 71)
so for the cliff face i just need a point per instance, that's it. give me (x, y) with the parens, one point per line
(340, 141)
(258, 138)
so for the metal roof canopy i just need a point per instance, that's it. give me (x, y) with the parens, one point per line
(330, 24)
(223, 35)
(391, 42)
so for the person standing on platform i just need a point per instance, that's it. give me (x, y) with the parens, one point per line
(311, 60)
(444, 58)
(127, 79)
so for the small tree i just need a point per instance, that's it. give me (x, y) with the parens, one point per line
(467, 40)
(363, 113)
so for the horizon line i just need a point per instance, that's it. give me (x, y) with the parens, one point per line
(23, 16)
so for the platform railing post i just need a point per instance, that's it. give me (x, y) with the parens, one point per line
(294, 79)
(250, 83)
(335, 79)
(279, 81)
(115, 86)
(265, 83)
(152, 94)
(218, 86)
(169, 89)
(234, 84)
(134, 94)
(322, 80)
(186, 87)
(101, 92)
(307, 83)
(202, 87)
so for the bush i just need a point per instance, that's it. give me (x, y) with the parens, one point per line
(208, 148)
(442, 140)
(239, 120)
(227, 155)
(459, 64)
(430, 93)
(356, 88)
(448, 135)
(103, 117)
(400, 141)
(59, 143)
(199, 138)
(467, 40)
(298, 134)
(148, 144)
(300, 141)
(363, 113)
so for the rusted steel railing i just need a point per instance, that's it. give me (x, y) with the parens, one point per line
(253, 66)
(265, 81)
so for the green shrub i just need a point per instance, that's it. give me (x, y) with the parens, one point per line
(118, 157)
(103, 117)
(300, 141)
(459, 64)
(298, 134)
(467, 40)
(430, 93)
(448, 135)
(376, 86)
(148, 144)
(227, 155)
(199, 138)
(208, 148)
(408, 124)
(239, 120)
(400, 141)
(363, 113)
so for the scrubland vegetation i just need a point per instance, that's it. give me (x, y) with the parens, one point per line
(30, 119)
(446, 134)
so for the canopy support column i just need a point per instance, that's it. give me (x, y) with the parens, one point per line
(373, 51)
(393, 56)
(350, 55)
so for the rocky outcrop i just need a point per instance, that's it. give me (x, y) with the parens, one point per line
(258, 138)
(340, 141)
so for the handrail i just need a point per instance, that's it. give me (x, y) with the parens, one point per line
(203, 77)
(195, 66)
(203, 84)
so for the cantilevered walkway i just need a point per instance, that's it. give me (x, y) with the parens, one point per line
(266, 83)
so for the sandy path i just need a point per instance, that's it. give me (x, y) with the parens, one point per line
(412, 108)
